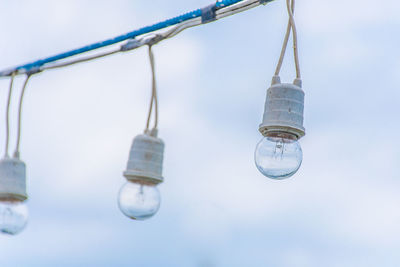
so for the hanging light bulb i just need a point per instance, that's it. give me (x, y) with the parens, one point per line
(278, 155)
(139, 198)
(13, 216)
(13, 210)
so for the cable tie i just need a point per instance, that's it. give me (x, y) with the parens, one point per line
(138, 42)
(131, 44)
(264, 2)
(208, 13)
(154, 39)
(8, 72)
(33, 70)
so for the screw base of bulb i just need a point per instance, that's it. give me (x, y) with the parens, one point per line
(7, 197)
(280, 130)
(142, 177)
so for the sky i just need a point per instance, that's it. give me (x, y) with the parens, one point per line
(340, 209)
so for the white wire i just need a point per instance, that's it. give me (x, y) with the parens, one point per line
(179, 28)
(290, 27)
(21, 99)
(294, 30)
(284, 46)
(154, 98)
(8, 115)
(236, 8)
(79, 60)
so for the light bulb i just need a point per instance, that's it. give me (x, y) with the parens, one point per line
(139, 201)
(13, 216)
(278, 156)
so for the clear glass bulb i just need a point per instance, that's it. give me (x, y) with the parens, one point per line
(278, 156)
(139, 201)
(13, 216)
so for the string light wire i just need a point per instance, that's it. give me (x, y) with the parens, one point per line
(21, 99)
(291, 27)
(294, 30)
(8, 115)
(154, 99)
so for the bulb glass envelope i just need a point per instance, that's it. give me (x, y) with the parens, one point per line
(12, 180)
(284, 108)
(145, 159)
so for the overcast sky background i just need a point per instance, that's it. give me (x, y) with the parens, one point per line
(342, 207)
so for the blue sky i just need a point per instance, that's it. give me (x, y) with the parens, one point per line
(340, 209)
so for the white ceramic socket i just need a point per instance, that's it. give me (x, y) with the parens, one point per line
(146, 159)
(284, 107)
(12, 179)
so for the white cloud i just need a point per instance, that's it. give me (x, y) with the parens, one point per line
(325, 17)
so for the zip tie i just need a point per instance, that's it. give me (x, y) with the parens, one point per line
(146, 40)
(130, 45)
(33, 71)
(264, 2)
(154, 39)
(208, 13)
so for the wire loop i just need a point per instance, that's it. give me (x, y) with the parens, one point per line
(21, 99)
(16, 152)
(153, 100)
(8, 114)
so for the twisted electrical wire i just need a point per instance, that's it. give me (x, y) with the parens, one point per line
(8, 115)
(21, 99)
(294, 30)
(291, 27)
(154, 99)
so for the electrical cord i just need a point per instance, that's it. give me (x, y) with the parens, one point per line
(284, 46)
(290, 27)
(153, 93)
(236, 8)
(294, 30)
(83, 59)
(21, 99)
(8, 114)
